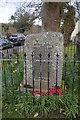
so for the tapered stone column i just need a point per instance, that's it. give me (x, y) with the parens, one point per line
(50, 16)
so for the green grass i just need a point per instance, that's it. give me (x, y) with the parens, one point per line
(9, 110)
(69, 50)
(0, 91)
(20, 108)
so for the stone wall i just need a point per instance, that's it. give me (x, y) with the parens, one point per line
(44, 43)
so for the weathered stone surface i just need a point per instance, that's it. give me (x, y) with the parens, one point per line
(50, 16)
(44, 43)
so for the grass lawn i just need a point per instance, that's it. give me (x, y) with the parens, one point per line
(69, 50)
(20, 108)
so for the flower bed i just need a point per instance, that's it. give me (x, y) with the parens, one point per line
(51, 92)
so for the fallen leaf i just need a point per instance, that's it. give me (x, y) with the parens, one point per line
(36, 115)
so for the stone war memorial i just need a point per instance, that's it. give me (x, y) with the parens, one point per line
(44, 43)
(48, 41)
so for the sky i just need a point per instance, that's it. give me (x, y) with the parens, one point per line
(8, 7)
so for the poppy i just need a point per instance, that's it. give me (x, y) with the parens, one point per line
(51, 92)
(38, 92)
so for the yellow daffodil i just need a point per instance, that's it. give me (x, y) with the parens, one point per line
(14, 71)
(15, 62)
(20, 85)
